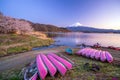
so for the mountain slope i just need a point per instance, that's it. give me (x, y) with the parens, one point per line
(13, 25)
(91, 29)
(48, 28)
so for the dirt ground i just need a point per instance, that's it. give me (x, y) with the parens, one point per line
(18, 61)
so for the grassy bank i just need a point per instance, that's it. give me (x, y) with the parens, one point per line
(11, 75)
(107, 70)
(13, 43)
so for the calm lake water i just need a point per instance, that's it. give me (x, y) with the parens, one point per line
(76, 38)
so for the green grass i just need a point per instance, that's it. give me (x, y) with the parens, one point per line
(18, 49)
(107, 71)
(11, 75)
(8, 43)
(29, 46)
(8, 39)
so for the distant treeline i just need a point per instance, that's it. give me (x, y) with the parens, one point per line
(48, 28)
(22, 26)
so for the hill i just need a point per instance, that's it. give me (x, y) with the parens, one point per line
(48, 28)
(91, 29)
(14, 25)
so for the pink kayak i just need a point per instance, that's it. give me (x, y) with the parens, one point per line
(85, 51)
(34, 77)
(31, 72)
(102, 56)
(97, 55)
(51, 68)
(60, 67)
(67, 64)
(89, 53)
(108, 56)
(42, 70)
(80, 51)
(27, 76)
(93, 54)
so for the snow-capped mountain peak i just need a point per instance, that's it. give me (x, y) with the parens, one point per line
(76, 24)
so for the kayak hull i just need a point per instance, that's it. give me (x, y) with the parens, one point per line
(97, 55)
(67, 64)
(28, 75)
(51, 68)
(42, 70)
(109, 57)
(34, 77)
(93, 54)
(89, 53)
(60, 67)
(102, 56)
(80, 52)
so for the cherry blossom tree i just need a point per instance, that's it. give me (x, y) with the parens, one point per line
(12, 25)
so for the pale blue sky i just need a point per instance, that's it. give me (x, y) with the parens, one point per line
(96, 13)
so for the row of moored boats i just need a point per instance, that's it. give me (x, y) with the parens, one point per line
(96, 54)
(52, 63)
(47, 64)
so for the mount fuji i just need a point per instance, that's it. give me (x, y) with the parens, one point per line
(77, 27)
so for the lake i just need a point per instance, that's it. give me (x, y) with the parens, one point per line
(73, 39)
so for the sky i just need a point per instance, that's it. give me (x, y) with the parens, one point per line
(62, 13)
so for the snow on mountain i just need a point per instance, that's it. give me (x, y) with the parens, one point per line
(77, 24)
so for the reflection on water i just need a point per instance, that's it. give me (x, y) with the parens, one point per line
(73, 39)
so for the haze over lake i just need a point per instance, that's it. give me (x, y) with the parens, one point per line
(73, 39)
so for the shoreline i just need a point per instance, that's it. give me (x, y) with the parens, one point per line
(12, 65)
(18, 61)
(12, 61)
(15, 44)
(24, 51)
